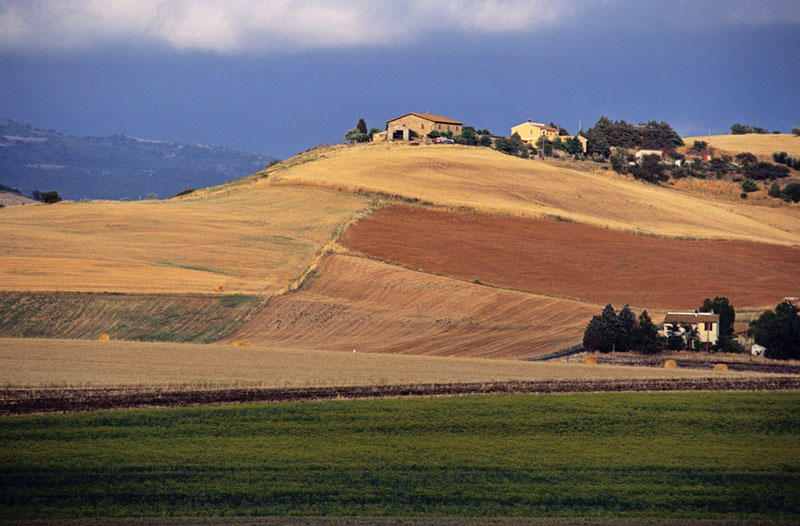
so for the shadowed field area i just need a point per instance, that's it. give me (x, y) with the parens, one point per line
(578, 261)
(356, 303)
(488, 181)
(255, 240)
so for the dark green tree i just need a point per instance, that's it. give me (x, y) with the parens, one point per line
(485, 140)
(361, 126)
(49, 197)
(468, 136)
(628, 324)
(727, 317)
(645, 338)
(598, 336)
(746, 159)
(775, 190)
(779, 332)
(649, 169)
(748, 185)
(762, 170)
(792, 192)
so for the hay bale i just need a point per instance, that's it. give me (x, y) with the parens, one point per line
(590, 360)
(218, 288)
(241, 343)
(104, 337)
(720, 367)
(670, 364)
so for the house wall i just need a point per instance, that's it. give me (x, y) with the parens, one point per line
(423, 126)
(705, 335)
(530, 133)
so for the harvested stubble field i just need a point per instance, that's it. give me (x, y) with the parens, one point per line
(727, 456)
(258, 239)
(356, 303)
(488, 181)
(759, 144)
(175, 318)
(580, 262)
(40, 363)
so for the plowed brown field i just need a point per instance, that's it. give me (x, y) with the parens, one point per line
(578, 261)
(355, 303)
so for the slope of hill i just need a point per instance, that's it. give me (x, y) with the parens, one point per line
(580, 262)
(488, 181)
(255, 241)
(115, 166)
(759, 144)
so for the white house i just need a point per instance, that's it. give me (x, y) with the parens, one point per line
(706, 324)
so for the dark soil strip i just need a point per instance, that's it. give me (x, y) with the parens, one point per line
(687, 363)
(21, 401)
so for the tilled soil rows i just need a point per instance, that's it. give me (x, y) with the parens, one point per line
(23, 401)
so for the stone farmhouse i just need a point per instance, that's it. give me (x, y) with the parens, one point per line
(421, 124)
(530, 132)
(705, 323)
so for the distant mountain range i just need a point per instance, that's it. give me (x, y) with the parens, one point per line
(113, 167)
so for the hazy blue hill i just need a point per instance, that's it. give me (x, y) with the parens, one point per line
(113, 167)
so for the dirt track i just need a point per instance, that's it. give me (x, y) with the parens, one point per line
(22, 401)
(578, 261)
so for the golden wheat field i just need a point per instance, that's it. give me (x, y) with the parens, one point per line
(77, 363)
(357, 303)
(762, 145)
(258, 239)
(488, 181)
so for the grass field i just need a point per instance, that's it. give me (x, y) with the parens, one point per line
(762, 145)
(78, 363)
(488, 181)
(687, 456)
(259, 239)
(579, 262)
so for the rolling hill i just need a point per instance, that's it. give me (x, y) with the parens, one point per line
(278, 235)
(113, 167)
(762, 145)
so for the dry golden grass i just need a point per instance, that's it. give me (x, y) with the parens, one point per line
(40, 363)
(761, 145)
(489, 181)
(258, 239)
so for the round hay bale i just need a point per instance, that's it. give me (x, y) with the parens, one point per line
(720, 367)
(590, 360)
(670, 364)
(104, 337)
(218, 288)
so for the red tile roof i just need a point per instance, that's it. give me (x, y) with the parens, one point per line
(428, 116)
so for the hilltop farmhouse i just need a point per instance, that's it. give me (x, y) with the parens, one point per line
(530, 132)
(420, 125)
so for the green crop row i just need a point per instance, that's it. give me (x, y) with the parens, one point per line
(674, 455)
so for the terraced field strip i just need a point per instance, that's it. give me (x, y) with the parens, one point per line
(257, 240)
(700, 455)
(173, 318)
(489, 181)
(356, 303)
(41, 363)
(580, 262)
(759, 144)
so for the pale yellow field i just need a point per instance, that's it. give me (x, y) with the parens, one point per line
(258, 239)
(489, 181)
(43, 363)
(758, 144)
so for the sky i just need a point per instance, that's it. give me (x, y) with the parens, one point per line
(278, 77)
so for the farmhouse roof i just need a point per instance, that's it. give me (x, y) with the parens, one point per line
(691, 317)
(539, 125)
(428, 116)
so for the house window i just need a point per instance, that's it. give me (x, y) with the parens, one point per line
(709, 326)
(423, 126)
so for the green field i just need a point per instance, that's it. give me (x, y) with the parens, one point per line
(672, 455)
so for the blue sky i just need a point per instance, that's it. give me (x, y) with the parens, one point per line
(278, 77)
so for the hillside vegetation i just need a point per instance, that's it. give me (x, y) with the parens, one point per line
(487, 181)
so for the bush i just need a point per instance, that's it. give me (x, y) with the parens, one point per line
(748, 185)
(779, 157)
(762, 170)
(743, 195)
(48, 197)
(792, 192)
(699, 146)
(775, 190)
(796, 130)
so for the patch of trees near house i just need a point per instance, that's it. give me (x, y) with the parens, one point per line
(779, 331)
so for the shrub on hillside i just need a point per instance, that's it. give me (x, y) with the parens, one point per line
(48, 197)
(748, 185)
(792, 192)
(796, 130)
(762, 170)
(741, 129)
